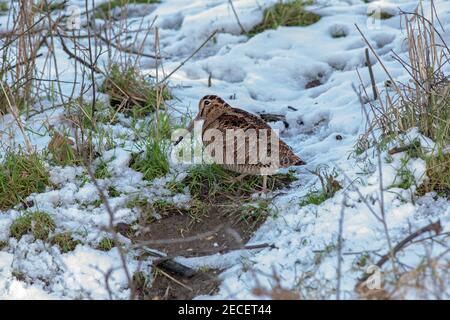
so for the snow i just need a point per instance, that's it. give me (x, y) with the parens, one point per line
(265, 73)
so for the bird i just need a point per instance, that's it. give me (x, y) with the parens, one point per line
(241, 156)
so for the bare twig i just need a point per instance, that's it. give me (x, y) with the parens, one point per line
(188, 58)
(435, 226)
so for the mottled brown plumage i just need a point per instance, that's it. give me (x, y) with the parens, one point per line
(219, 115)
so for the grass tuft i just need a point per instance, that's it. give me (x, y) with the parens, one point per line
(64, 151)
(20, 176)
(130, 92)
(40, 224)
(380, 15)
(289, 14)
(423, 102)
(65, 242)
(3, 244)
(212, 180)
(329, 187)
(102, 172)
(4, 7)
(438, 173)
(153, 163)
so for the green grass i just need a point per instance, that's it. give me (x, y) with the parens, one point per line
(102, 172)
(3, 244)
(438, 175)
(381, 15)
(314, 198)
(113, 192)
(329, 187)
(105, 244)
(50, 5)
(39, 224)
(212, 180)
(404, 178)
(4, 7)
(131, 93)
(102, 10)
(20, 176)
(289, 14)
(251, 213)
(175, 186)
(65, 242)
(153, 163)
(137, 203)
(63, 151)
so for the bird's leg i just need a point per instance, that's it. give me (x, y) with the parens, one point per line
(264, 188)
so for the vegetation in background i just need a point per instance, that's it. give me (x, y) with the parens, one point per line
(404, 178)
(289, 14)
(21, 175)
(422, 103)
(102, 172)
(153, 163)
(3, 244)
(103, 10)
(381, 15)
(329, 187)
(105, 244)
(65, 242)
(4, 6)
(39, 224)
(212, 180)
(64, 151)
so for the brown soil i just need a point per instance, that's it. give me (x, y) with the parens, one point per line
(219, 228)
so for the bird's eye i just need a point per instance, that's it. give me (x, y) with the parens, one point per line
(207, 102)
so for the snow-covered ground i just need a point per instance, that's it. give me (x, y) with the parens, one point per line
(265, 73)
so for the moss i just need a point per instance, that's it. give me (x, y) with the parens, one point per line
(20, 176)
(289, 14)
(65, 242)
(40, 224)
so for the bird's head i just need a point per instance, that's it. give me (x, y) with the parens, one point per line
(210, 105)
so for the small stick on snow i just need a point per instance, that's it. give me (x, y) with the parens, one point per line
(237, 17)
(188, 58)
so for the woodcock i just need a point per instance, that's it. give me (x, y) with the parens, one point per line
(219, 115)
